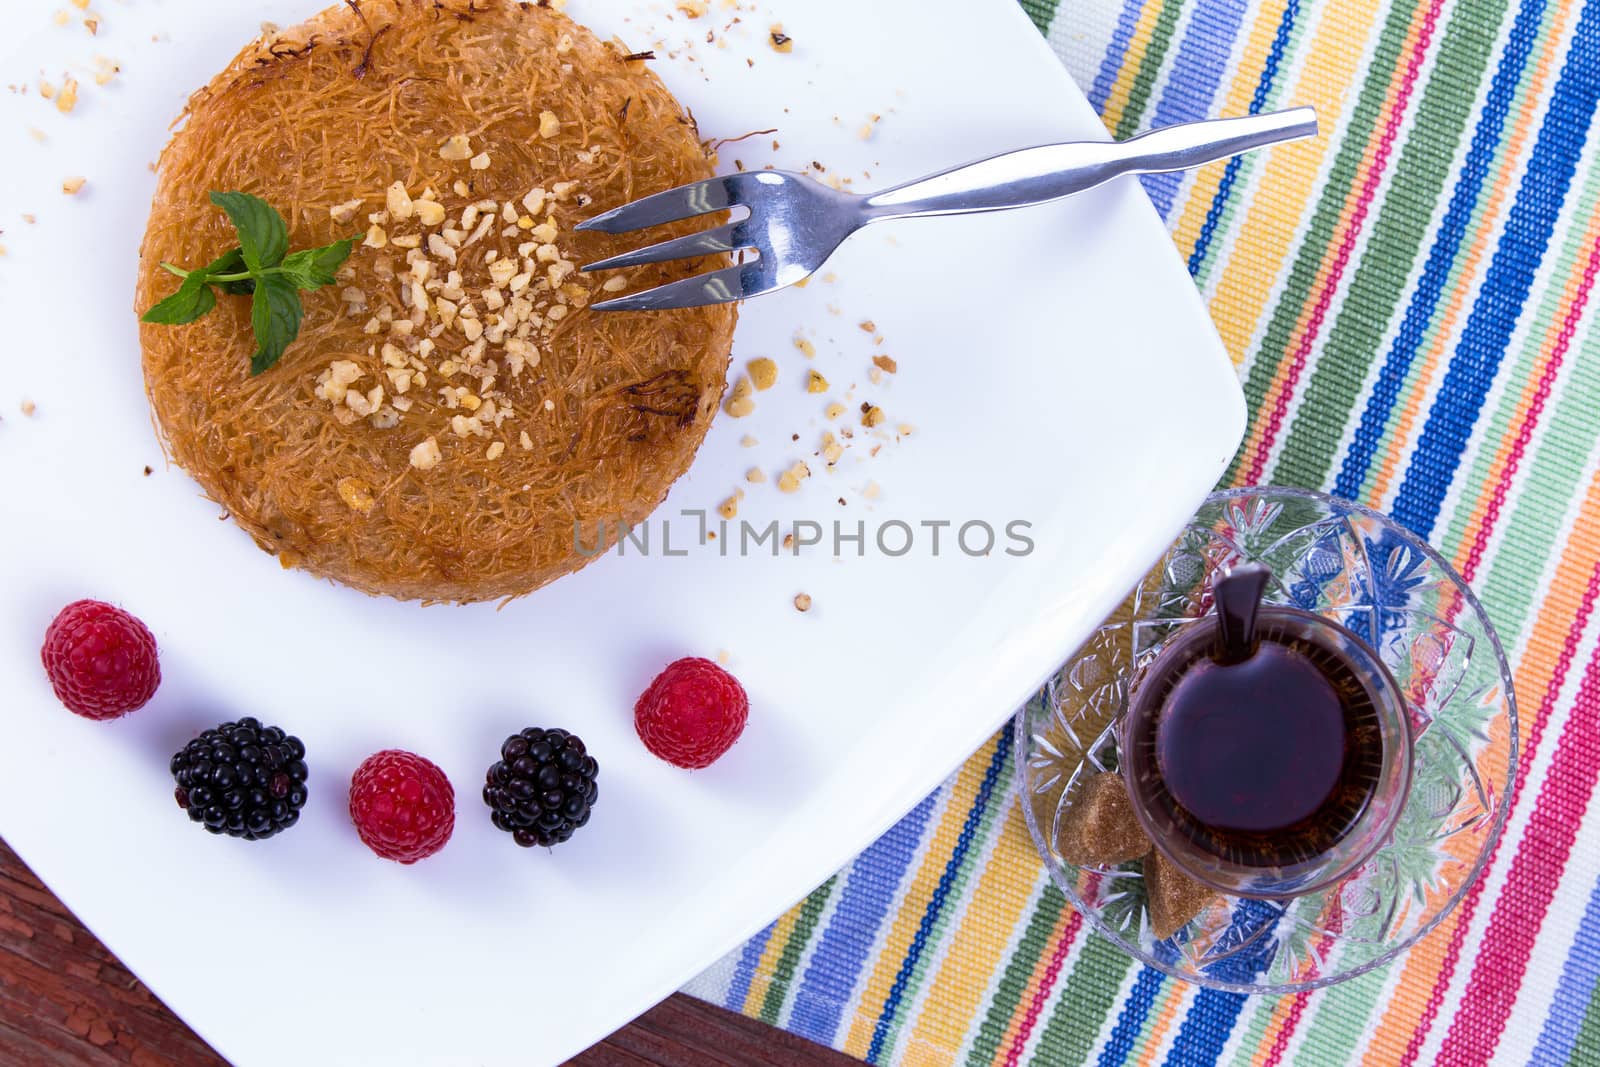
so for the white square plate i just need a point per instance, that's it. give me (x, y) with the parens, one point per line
(1056, 363)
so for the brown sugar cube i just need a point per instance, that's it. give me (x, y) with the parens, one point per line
(1100, 829)
(1173, 897)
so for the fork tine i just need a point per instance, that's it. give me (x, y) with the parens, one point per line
(714, 287)
(724, 238)
(686, 201)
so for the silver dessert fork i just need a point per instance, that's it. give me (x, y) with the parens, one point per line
(794, 223)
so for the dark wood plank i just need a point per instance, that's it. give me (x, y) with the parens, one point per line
(65, 1001)
(685, 1032)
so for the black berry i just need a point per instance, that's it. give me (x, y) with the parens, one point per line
(542, 788)
(242, 779)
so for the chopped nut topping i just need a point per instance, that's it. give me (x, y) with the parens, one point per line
(816, 383)
(525, 441)
(68, 97)
(399, 201)
(480, 161)
(755, 475)
(730, 507)
(831, 449)
(805, 346)
(334, 382)
(885, 363)
(693, 8)
(429, 212)
(494, 451)
(438, 246)
(549, 125)
(426, 455)
(72, 186)
(780, 41)
(802, 602)
(748, 442)
(871, 415)
(28, 408)
(739, 402)
(456, 148)
(835, 410)
(763, 373)
(615, 284)
(357, 495)
(344, 213)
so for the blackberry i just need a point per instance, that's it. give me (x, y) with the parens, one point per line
(542, 787)
(242, 779)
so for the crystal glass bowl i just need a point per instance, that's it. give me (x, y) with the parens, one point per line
(1353, 567)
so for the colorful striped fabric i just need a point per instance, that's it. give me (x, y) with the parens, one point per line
(1408, 301)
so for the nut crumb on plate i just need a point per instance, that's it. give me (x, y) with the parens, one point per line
(802, 602)
(763, 372)
(789, 481)
(739, 402)
(74, 185)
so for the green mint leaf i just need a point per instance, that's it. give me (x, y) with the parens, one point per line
(227, 263)
(275, 315)
(263, 235)
(316, 267)
(193, 299)
(232, 263)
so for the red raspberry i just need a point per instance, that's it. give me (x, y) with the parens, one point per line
(101, 660)
(692, 713)
(402, 805)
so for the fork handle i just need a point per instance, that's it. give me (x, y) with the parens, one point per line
(1050, 172)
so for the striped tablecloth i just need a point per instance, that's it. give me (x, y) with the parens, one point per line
(1408, 301)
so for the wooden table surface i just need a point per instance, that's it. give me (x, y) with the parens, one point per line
(65, 1001)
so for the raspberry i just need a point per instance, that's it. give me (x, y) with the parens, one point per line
(402, 805)
(692, 713)
(101, 661)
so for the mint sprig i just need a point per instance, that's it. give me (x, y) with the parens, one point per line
(262, 268)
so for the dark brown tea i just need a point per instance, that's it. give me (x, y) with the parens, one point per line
(1264, 762)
